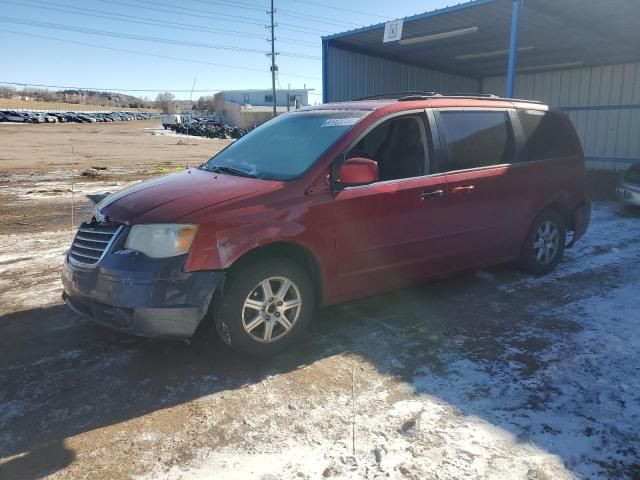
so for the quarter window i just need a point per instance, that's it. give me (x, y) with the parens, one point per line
(546, 135)
(476, 139)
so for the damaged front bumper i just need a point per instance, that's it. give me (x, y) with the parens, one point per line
(133, 293)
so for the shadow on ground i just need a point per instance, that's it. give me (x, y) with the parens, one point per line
(62, 377)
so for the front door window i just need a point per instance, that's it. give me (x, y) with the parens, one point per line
(398, 145)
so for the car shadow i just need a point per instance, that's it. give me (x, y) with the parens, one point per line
(62, 376)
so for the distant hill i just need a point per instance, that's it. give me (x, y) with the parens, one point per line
(77, 97)
(102, 98)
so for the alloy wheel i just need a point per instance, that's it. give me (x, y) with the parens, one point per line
(271, 310)
(546, 242)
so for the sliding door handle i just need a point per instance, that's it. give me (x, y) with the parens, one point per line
(466, 188)
(433, 194)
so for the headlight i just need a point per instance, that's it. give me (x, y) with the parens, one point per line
(161, 240)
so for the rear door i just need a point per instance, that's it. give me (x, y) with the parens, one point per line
(486, 192)
(391, 232)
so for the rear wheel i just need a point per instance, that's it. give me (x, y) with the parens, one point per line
(266, 306)
(544, 245)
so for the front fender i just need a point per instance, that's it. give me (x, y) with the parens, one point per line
(218, 249)
(309, 224)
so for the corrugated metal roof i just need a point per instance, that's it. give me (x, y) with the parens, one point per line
(554, 34)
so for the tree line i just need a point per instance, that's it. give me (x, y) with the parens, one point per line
(166, 101)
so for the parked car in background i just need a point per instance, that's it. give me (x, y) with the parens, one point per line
(34, 117)
(77, 117)
(60, 117)
(328, 204)
(629, 186)
(12, 116)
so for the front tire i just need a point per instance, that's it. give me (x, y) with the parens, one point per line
(544, 246)
(267, 305)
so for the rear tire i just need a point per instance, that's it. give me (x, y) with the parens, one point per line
(267, 305)
(544, 246)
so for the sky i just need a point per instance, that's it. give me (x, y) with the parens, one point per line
(96, 43)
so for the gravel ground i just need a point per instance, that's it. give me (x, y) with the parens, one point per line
(489, 374)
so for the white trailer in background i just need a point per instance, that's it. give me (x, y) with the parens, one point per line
(169, 120)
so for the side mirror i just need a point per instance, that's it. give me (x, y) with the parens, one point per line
(358, 171)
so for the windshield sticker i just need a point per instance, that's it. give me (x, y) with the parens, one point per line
(340, 122)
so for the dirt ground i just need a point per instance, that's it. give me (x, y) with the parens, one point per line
(44, 163)
(488, 374)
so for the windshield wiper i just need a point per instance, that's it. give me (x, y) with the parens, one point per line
(232, 170)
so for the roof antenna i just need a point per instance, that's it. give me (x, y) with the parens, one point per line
(189, 123)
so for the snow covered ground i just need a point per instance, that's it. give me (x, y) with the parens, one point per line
(558, 398)
(492, 375)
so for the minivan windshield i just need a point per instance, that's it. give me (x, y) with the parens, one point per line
(285, 147)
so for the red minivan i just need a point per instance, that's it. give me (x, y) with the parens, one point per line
(327, 204)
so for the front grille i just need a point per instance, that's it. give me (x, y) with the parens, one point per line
(91, 242)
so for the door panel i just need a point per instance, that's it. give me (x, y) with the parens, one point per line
(390, 233)
(485, 208)
(485, 187)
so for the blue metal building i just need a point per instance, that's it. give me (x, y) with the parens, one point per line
(579, 55)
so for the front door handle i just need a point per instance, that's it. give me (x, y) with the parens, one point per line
(466, 188)
(433, 194)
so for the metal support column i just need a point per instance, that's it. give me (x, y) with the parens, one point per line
(513, 49)
(325, 79)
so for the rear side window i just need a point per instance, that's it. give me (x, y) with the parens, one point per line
(476, 139)
(546, 135)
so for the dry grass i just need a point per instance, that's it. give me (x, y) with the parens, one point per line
(6, 104)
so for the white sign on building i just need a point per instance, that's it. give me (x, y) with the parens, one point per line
(392, 31)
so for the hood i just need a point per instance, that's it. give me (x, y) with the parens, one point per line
(168, 198)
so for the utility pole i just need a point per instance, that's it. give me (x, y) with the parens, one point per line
(288, 97)
(274, 67)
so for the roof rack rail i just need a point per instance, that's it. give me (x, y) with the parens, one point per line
(418, 95)
(476, 95)
(398, 95)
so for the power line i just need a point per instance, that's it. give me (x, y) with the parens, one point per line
(99, 89)
(246, 6)
(333, 7)
(213, 15)
(153, 22)
(128, 36)
(282, 11)
(184, 12)
(328, 21)
(147, 54)
(217, 16)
